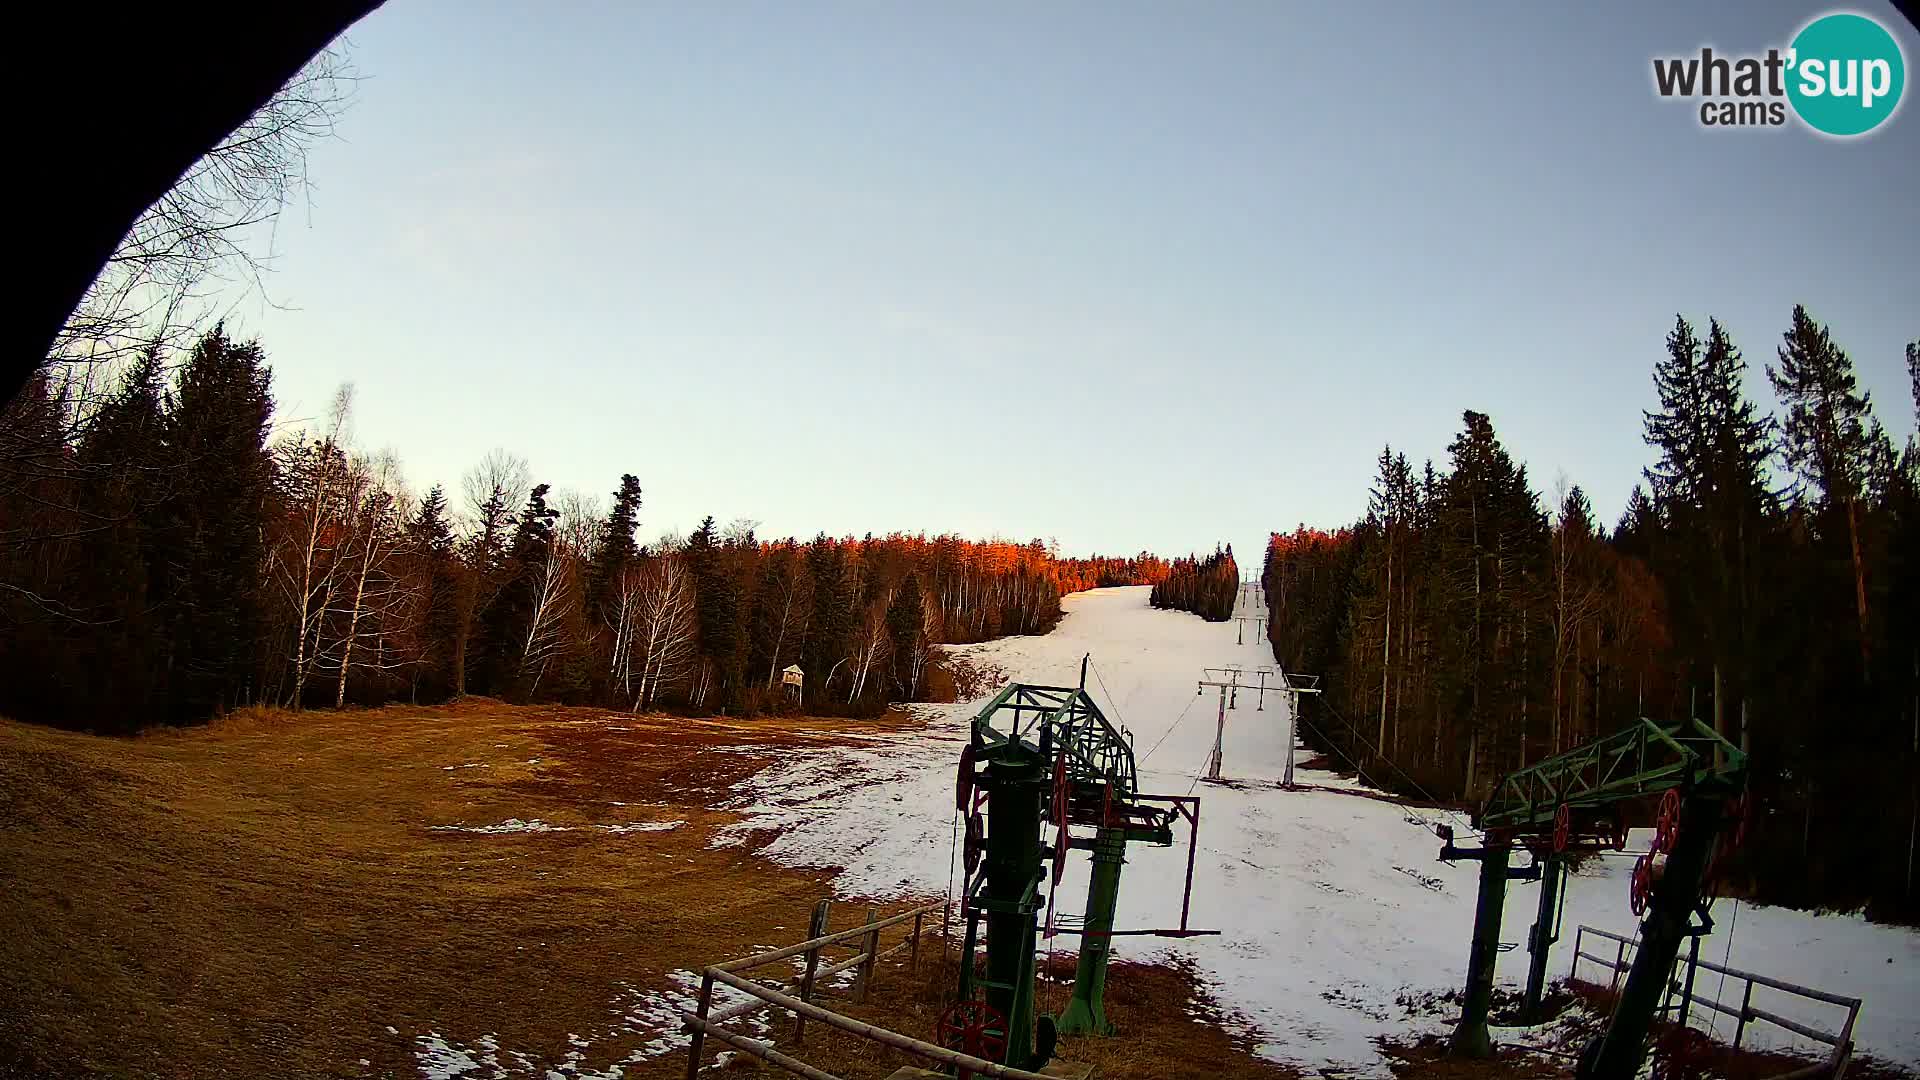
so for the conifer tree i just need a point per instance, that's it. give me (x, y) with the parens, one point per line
(618, 548)
(1492, 546)
(1829, 438)
(1709, 487)
(216, 434)
(830, 630)
(508, 620)
(722, 630)
(123, 457)
(906, 626)
(430, 538)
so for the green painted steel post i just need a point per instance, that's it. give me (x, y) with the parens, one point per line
(1086, 1012)
(1470, 1036)
(1016, 777)
(1675, 895)
(1540, 941)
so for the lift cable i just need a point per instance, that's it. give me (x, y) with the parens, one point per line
(946, 910)
(1424, 793)
(1412, 810)
(1111, 700)
(1169, 731)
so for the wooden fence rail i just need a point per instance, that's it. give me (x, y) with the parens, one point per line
(1842, 1042)
(797, 996)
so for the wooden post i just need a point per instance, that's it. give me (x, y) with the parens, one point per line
(1843, 1049)
(865, 972)
(913, 951)
(1746, 1006)
(699, 1030)
(1619, 962)
(817, 927)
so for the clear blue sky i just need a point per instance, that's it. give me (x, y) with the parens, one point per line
(1125, 274)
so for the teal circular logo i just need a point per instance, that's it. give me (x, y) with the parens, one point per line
(1845, 74)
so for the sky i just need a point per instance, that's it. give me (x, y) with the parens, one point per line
(1124, 275)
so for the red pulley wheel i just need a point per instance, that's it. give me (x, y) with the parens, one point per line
(1668, 823)
(972, 1027)
(1562, 827)
(976, 843)
(963, 782)
(1640, 889)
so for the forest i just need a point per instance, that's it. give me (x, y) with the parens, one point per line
(1762, 579)
(1206, 587)
(166, 554)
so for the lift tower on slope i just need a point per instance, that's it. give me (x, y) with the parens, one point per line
(1038, 755)
(1229, 681)
(1573, 801)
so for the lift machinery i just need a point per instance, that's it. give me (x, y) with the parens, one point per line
(1041, 757)
(1574, 801)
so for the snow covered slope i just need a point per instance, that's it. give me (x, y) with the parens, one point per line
(1330, 903)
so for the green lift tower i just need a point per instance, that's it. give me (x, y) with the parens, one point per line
(1573, 801)
(1040, 756)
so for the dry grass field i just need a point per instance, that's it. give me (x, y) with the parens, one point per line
(270, 897)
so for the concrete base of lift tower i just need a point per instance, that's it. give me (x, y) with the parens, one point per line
(1065, 1070)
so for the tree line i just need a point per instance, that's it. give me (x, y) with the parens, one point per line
(1762, 579)
(165, 556)
(1205, 587)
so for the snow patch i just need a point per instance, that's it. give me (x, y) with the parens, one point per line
(511, 825)
(646, 1025)
(642, 826)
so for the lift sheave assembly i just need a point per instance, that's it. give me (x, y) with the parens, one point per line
(1045, 758)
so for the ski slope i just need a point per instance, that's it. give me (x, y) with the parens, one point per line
(1331, 905)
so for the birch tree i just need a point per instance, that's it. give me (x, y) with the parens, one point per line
(871, 645)
(314, 475)
(666, 630)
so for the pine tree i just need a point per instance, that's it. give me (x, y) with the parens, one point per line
(124, 458)
(508, 620)
(722, 636)
(1492, 548)
(617, 550)
(1709, 488)
(1829, 438)
(430, 538)
(217, 433)
(906, 626)
(830, 630)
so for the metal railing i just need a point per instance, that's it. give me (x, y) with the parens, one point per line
(705, 1023)
(1841, 1042)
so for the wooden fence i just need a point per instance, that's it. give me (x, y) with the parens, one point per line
(797, 997)
(1842, 1042)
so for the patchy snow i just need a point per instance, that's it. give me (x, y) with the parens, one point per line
(642, 826)
(645, 1025)
(1330, 903)
(511, 825)
(468, 765)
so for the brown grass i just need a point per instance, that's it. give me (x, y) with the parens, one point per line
(265, 897)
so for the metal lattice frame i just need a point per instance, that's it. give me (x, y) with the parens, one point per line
(1643, 758)
(1097, 752)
